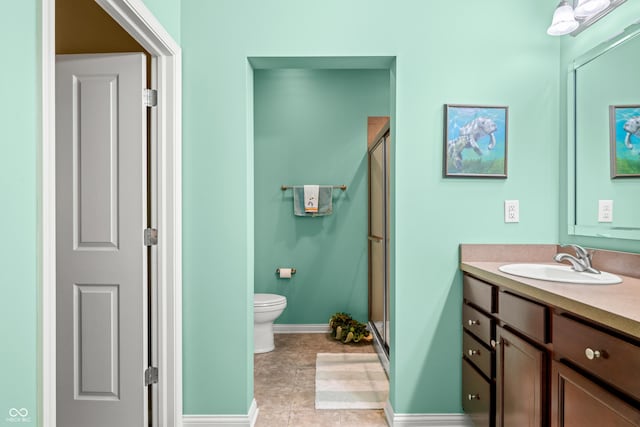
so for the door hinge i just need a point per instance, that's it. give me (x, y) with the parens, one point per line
(150, 376)
(150, 97)
(150, 236)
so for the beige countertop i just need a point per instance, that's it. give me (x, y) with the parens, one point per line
(615, 306)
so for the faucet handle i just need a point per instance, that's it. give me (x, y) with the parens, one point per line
(581, 252)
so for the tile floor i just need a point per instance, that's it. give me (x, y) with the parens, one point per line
(284, 385)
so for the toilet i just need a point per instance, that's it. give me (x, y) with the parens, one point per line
(266, 309)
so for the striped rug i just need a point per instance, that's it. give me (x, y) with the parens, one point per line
(350, 381)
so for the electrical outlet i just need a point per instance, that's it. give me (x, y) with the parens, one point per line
(511, 211)
(605, 210)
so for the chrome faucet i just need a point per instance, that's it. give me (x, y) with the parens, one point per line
(580, 262)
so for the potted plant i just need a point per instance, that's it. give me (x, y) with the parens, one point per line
(346, 329)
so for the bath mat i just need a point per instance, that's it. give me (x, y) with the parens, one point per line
(350, 381)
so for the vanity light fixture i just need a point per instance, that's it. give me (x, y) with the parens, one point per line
(587, 8)
(564, 21)
(574, 16)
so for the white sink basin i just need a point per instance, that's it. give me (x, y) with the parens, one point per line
(559, 273)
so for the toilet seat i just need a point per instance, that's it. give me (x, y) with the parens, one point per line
(268, 300)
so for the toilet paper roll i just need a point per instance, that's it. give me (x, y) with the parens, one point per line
(285, 273)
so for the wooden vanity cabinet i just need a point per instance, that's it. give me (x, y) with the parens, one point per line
(606, 391)
(510, 333)
(543, 366)
(478, 357)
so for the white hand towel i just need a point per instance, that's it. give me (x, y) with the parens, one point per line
(311, 193)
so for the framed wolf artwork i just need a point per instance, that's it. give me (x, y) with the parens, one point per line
(475, 141)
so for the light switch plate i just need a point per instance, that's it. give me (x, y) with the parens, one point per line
(511, 211)
(605, 210)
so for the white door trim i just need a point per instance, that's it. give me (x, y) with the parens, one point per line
(140, 23)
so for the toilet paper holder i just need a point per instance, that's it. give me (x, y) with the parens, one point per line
(293, 271)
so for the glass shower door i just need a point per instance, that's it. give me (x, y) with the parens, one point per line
(378, 240)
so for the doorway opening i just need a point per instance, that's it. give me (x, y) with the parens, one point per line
(310, 127)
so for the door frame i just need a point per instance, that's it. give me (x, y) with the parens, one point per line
(139, 22)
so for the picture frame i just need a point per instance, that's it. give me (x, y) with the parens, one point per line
(624, 140)
(475, 141)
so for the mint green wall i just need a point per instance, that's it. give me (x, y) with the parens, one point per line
(168, 13)
(572, 48)
(310, 126)
(20, 83)
(19, 80)
(495, 53)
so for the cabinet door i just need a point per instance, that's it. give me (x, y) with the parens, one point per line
(519, 381)
(578, 402)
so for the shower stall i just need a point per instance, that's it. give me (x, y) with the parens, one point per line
(379, 200)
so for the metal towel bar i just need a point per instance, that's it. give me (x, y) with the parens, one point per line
(341, 187)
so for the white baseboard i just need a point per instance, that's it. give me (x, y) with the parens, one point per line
(425, 420)
(314, 328)
(248, 420)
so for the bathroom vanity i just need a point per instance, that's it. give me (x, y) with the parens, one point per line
(539, 353)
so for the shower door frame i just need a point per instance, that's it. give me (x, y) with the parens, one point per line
(381, 337)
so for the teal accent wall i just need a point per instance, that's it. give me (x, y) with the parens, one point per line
(19, 82)
(310, 126)
(495, 53)
(572, 48)
(168, 13)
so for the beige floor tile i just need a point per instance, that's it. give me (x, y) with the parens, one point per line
(284, 384)
(285, 338)
(306, 359)
(265, 390)
(361, 348)
(272, 419)
(274, 403)
(277, 373)
(303, 400)
(306, 376)
(313, 418)
(363, 418)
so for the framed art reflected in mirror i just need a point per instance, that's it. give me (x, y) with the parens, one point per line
(624, 129)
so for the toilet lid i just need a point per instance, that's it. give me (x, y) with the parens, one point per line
(265, 300)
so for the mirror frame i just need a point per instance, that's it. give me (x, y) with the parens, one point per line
(574, 229)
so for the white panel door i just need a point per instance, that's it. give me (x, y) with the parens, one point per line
(101, 260)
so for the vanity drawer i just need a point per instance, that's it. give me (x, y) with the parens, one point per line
(479, 293)
(477, 323)
(477, 354)
(617, 363)
(526, 316)
(476, 396)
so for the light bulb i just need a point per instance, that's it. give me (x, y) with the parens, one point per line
(587, 8)
(563, 21)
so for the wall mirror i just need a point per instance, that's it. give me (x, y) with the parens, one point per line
(604, 139)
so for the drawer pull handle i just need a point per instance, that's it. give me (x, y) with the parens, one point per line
(473, 397)
(592, 354)
(473, 322)
(472, 352)
(495, 343)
